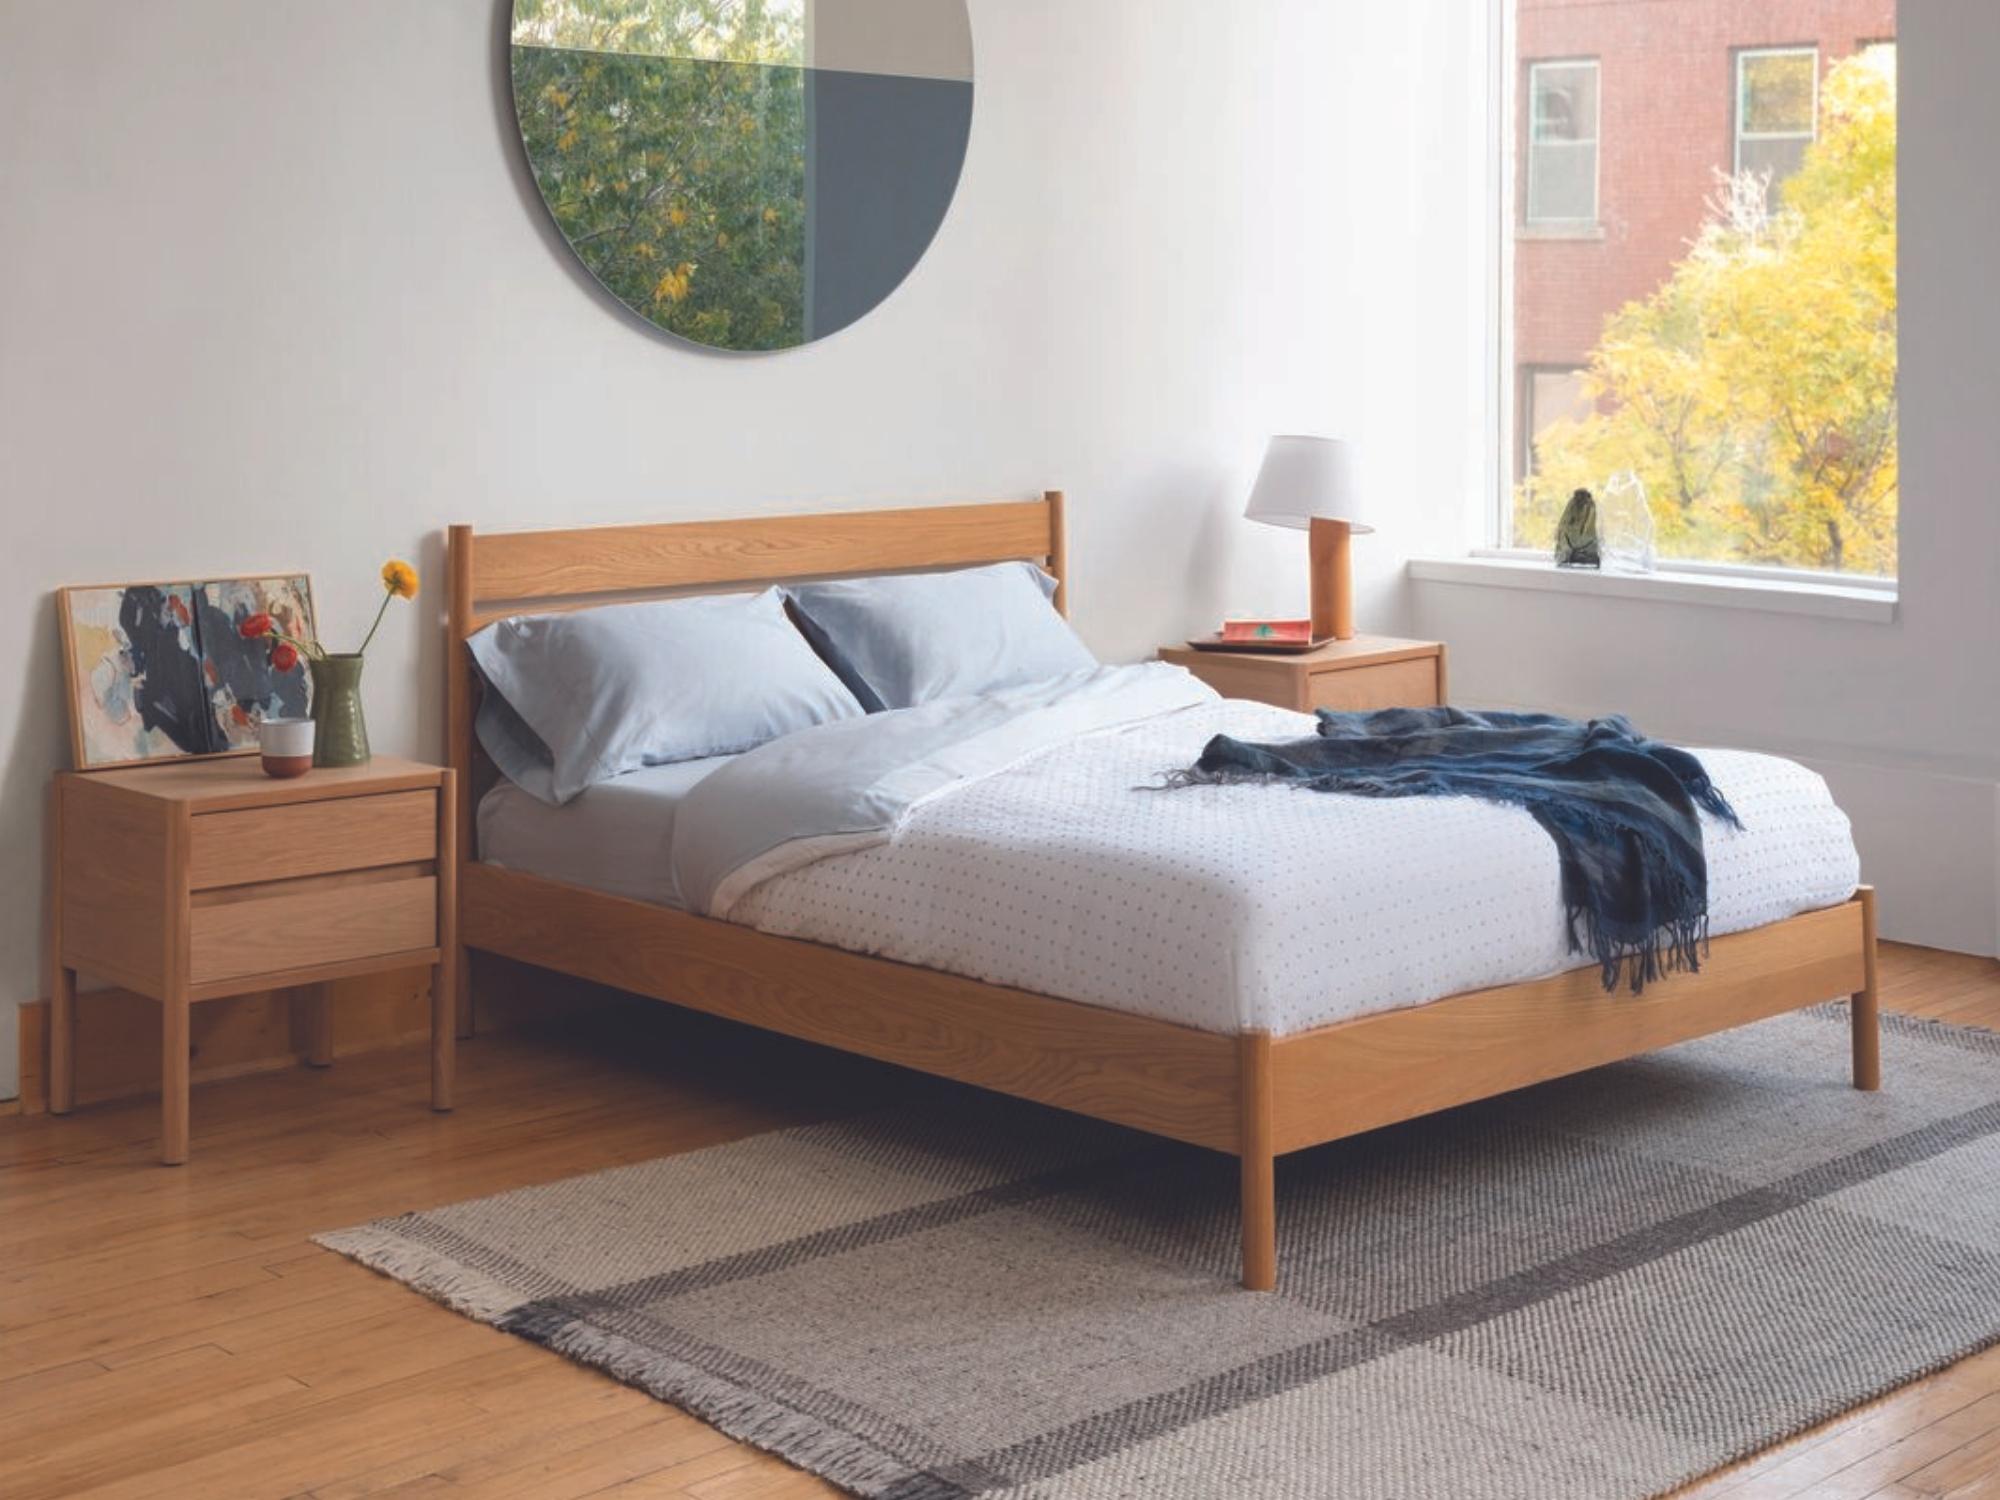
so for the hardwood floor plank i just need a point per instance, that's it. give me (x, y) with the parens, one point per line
(1848, 1439)
(170, 1333)
(1900, 1456)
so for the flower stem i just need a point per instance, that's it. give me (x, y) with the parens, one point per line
(307, 648)
(386, 597)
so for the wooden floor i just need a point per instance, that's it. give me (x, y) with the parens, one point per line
(170, 1332)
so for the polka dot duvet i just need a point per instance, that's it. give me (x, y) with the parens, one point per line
(1236, 907)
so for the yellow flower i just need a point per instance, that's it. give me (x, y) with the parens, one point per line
(674, 284)
(399, 578)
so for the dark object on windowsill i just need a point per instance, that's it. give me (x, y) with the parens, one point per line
(1576, 533)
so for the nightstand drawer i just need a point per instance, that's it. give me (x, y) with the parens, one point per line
(1392, 684)
(300, 928)
(311, 838)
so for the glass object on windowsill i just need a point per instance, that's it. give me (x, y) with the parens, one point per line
(1625, 524)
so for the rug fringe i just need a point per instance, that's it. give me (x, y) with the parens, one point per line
(423, 1269)
(840, 1457)
(764, 1422)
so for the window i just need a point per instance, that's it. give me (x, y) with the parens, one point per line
(1562, 143)
(1777, 108)
(1548, 396)
(1729, 336)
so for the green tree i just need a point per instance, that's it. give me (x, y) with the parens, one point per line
(669, 143)
(1755, 392)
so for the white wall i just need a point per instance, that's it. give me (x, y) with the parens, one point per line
(1902, 719)
(277, 294)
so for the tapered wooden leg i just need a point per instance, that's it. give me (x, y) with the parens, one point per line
(1259, 1166)
(62, 1041)
(174, 1080)
(461, 993)
(318, 1002)
(444, 1032)
(451, 997)
(62, 979)
(1864, 1009)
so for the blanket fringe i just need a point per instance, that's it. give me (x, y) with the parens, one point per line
(1671, 948)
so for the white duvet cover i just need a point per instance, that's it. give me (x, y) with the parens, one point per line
(1237, 907)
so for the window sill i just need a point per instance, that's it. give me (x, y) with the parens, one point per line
(1557, 231)
(1717, 590)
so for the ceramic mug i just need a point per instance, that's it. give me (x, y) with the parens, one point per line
(287, 746)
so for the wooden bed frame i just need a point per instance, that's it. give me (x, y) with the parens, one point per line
(1253, 1095)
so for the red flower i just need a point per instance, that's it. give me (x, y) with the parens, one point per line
(238, 717)
(254, 626)
(284, 656)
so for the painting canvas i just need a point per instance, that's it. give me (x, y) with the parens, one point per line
(241, 685)
(159, 670)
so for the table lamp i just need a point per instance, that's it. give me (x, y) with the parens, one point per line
(1308, 484)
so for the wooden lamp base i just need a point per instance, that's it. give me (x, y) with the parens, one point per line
(1332, 580)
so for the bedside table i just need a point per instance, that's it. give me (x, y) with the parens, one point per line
(1369, 671)
(198, 879)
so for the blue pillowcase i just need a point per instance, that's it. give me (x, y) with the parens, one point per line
(908, 638)
(574, 699)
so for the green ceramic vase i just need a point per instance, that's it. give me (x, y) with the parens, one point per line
(340, 728)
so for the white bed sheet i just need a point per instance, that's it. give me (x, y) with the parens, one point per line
(615, 837)
(1241, 907)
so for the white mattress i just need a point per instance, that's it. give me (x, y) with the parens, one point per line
(1223, 908)
(1245, 907)
(615, 837)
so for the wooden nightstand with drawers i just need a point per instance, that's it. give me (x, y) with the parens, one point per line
(201, 879)
(1369, 671)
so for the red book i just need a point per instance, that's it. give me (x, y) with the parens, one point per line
(1267, 630)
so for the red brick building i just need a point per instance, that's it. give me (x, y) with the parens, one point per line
(1626, 110)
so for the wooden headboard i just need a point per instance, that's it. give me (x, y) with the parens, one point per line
(491, 576)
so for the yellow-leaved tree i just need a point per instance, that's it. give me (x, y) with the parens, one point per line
(1755, 392)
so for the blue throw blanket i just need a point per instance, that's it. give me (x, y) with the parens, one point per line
(1620, 807)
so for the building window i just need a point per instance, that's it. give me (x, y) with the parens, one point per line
(1562, 143)
(1549, 394)
(1730, 335)
(1777, 109)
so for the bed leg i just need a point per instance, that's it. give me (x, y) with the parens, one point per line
(1259, 1165)
(1864, 1008)
(461, 993)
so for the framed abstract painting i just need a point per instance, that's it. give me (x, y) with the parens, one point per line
(158, 671)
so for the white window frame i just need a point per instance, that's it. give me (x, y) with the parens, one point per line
(1737, 134)
(1497, 560)
(1596, 214)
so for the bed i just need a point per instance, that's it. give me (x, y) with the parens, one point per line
(1343, 1014)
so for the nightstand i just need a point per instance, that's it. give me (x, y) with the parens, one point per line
(1369, 671)
(199, 879)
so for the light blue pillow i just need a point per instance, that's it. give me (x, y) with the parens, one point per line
(574, 699)
(910, 638)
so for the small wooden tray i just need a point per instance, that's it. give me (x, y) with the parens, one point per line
(1270, 648)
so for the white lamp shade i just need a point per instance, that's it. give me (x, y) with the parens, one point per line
(1307, 478)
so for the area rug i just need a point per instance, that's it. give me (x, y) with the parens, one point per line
(1600, 1287)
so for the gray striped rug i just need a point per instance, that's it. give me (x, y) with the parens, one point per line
(1601, 1287)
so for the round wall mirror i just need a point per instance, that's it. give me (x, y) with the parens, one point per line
(748, 174)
